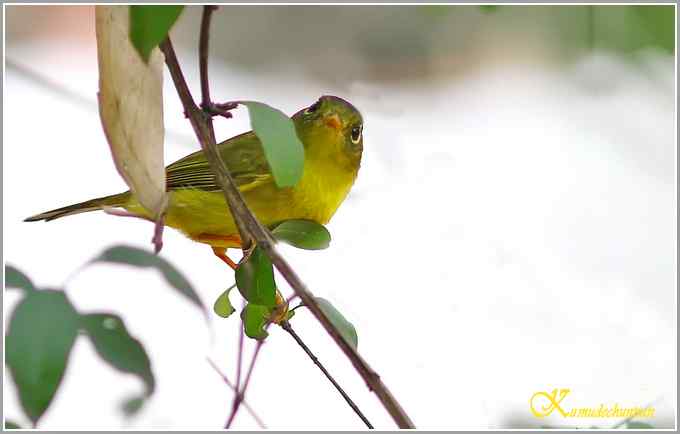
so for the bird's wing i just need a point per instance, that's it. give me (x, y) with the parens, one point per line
(243, 156)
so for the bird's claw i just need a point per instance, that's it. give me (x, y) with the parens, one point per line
(219, 109)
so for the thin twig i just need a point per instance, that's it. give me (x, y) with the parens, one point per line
(239, 359)
(249, 374)
(231, 386)
(372, 379)
(287, 327)
(89, 104)
(296, 307)
(251, 230)
(157, 239)
(203, 54)
(238, 397)
(122, 213)
(240, 394)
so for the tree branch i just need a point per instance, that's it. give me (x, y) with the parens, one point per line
(251, 230)
(287, 327)
(198, 122)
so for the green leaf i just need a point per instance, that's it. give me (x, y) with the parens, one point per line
(41, 333)
(149, 25)
(345, 327)
(131, 406)
(254, 317)
(282, 147)
(303, 234)
(146, 259)
(223, 306)
(255, 279)
(115, 345)
(638, 425)
(16, 279)
(11, 425)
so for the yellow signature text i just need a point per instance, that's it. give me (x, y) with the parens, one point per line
(543, 404)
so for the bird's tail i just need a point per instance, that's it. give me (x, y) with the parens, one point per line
(87, 206)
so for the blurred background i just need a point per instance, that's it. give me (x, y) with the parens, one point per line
(512, 229)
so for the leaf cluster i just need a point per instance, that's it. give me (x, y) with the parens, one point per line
(45, 324)
(256, 283)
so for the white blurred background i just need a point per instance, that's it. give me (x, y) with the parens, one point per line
(512, 229)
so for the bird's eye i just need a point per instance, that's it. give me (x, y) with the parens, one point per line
(312, 108)
(356, 134)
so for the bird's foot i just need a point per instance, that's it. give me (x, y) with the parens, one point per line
(221, 253)
(219, 109)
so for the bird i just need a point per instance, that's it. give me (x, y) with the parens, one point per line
(331, 131)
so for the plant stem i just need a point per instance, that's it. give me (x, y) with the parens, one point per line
(203, 54)
(287, 327)
(232, 387)
(239, 359)
(238, 398)
(251, 230)
(240, 394)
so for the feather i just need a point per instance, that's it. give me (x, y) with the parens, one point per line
(243, 156)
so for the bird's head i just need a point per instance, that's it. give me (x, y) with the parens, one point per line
(331, 126)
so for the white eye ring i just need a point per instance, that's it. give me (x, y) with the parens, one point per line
(356, 134)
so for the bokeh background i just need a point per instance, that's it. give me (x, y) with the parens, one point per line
(512, 229)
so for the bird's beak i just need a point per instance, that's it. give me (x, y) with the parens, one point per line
(333, 121)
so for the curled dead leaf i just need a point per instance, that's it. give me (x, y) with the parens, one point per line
(131, 107)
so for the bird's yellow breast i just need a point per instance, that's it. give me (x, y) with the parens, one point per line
(199, 213)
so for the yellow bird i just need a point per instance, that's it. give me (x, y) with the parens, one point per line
(331, 131)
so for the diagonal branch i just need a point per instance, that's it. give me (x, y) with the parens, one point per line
(372, 379)
(287, 327)
(199, 123)
(251, 231)
(61, 89)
